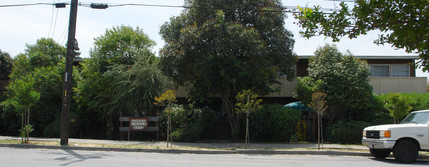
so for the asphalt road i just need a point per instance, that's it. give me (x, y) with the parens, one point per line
(11, 157)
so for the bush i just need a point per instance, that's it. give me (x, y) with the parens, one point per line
(346, 132)
(273, 123)
(418, 101)
(189, 124)
(53, 129)
(381, 117)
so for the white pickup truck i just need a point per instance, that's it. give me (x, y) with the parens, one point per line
(405, 140)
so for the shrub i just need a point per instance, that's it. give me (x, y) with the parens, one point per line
(346, 132)
(418, 101)
(53, 128)
(273, 123)
(189, 124)
(381, 117)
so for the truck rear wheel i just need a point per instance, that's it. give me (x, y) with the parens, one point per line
(380, 153)
(406, 151)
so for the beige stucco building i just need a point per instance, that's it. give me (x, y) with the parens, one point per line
(389, 74)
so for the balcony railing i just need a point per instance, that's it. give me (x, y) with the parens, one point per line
(381, 85)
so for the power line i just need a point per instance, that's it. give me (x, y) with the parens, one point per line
(283, 9)
(148, 5)
(21, 5)
(52, 20)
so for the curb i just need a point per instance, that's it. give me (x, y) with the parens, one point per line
(305, 152)
(181, 151)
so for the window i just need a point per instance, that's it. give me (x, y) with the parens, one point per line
(396, 70)
(400, 70)
(380, 71)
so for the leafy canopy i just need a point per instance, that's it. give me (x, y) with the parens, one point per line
(166, 98)
(36, 81)
(318, 103)
(247, 102)
(136, 86)
(342, 77)
(403, 23)
(223, 47)
(397, 106)
(22, 93)
(6, 63)
(120, 45)
(45, 53)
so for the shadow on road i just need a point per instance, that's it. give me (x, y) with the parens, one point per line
(391, 160)
(74, 157)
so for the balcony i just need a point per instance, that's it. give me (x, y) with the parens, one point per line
(381, 85)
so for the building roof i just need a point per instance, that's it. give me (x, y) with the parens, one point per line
(366, 57)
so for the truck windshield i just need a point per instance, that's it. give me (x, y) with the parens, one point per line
(417, 118)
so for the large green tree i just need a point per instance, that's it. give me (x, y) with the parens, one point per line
(6, 63)
(221, 47)
(342, 77)
(44, 63)
(403, 23)
(45, 53)
(122, 75)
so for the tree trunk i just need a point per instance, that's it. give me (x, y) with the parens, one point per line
(28, 124)
(168, 129)
(232, 116)
(318, 132)
(247, 131)
(22, 125)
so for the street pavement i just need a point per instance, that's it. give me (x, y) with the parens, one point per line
(196, 148)
(80, 149)
(11, 157)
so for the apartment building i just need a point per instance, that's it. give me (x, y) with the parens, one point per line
(389, 74)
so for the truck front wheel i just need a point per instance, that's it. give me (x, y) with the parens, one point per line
(406, 151)
(380, 153)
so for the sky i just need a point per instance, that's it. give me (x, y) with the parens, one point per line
(24, 25)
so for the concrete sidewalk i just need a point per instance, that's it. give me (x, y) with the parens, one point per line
(194, 148)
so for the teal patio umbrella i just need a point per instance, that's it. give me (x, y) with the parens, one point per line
(298, 106)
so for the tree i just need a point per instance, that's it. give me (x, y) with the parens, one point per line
(343, 77)
(43, 62)
(402, 23)
(120, 45)
(6, 64)
(45, 53)
(247, 102)
(116, 75)
(22, 95)
(218, 48)
(318, 104)
(167, 100)
(397, 106)
(136, 86)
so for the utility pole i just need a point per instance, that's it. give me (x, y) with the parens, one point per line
(66, 101)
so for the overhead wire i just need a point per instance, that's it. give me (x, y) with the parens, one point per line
(55, 23)
(285, 9)
(63, 36)
(52, 20)
(23, 5)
